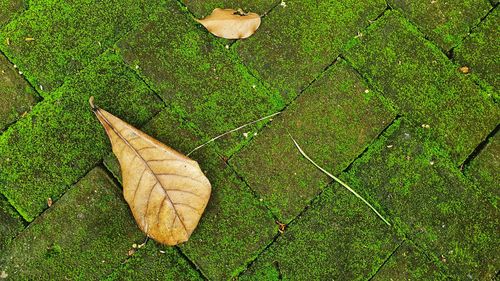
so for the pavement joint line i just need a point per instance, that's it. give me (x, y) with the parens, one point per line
(258, 255)
(39, 98)
(27, 224)
(292, 101)
(24, 222)
(429, 255)
(478, 149)
(339, 181)
(420, 32)
(387, 259)
(473, 28)
(253, 191)
(191, 263)
(313, 200)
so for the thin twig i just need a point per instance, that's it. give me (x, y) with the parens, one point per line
(339, 181)
(233, 130)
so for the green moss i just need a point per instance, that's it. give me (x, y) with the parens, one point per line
(202, 9)
(445, 22)
(67, 36)
(483, 170)
(409, 263)
(9, 9)
(11, 223)
(234, 227)
(337, 238)
(84, 235)
(172, 53)
(332, 121)
(60, 139)
(441, 212)
(295, 43)
(424, 84)
(17, 96)
(155, 262)
(478, 50)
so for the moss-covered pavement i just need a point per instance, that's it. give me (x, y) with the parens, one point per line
(397, 98)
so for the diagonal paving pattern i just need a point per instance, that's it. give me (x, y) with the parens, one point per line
(372, 91)
(198, 77)
(429, 90)
(235, 226)
(340, 110)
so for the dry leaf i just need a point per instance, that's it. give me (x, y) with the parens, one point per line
(464, 69)
(231, 24)
(166, 191)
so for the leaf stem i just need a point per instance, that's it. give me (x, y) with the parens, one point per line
(339, 181)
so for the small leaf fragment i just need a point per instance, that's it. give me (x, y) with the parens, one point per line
(166, 191)
(231, 24)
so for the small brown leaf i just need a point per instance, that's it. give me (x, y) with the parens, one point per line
(464, 69)
(231, 24)
(166, 191)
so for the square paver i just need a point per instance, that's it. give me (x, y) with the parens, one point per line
(478, 50)
(445, 22)
(60, 140)
(424, 84)
(198, 77)
(52, 40)
(84, 235)
(297, 40)
(483, 170)
(337, 238)
(333, 121)
(235, 226)
(430, 201)
(16, 95)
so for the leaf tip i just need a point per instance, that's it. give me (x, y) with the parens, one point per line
(91, 101)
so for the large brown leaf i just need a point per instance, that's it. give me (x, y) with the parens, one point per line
(166, 191)
(231, 24)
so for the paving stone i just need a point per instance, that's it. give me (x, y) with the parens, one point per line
(202, 8)
(235, 226)
(16, 96)
(409, 263)
(444, 22)
(483, 170)
(333, 121)
(430, 201)
(52, 40)
(338, 238)
(197, 76)
(479, 49)
(296, 41)
(60, 139)
(424, 84)
(84, 235)
(9, 8)
(155, 262)
(11, 223)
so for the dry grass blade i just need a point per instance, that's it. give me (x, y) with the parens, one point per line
(338, 180)
(231, 24)
(166, 191)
